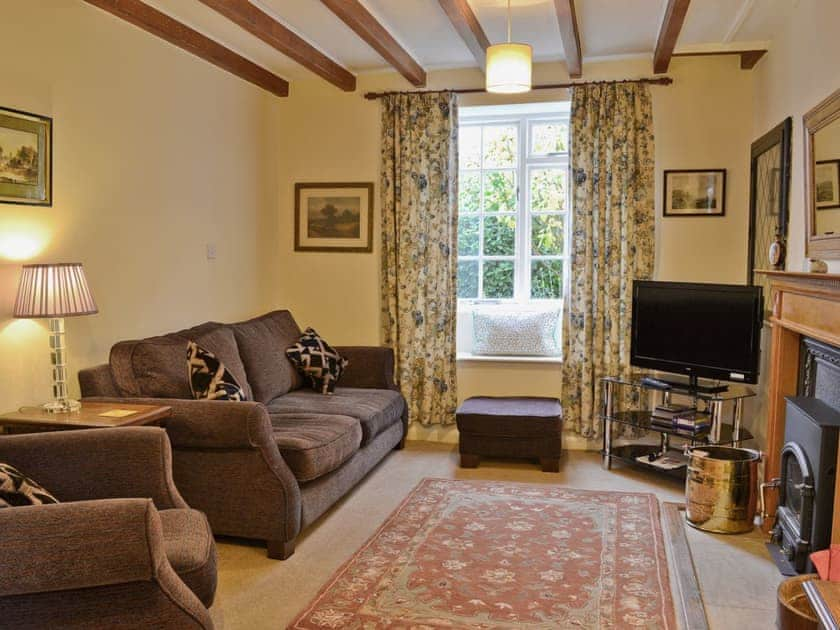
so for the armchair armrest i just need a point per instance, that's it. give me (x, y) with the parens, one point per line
(370, 367)
(210, 423)
(105, 463)
(79, 545)
(91, 564)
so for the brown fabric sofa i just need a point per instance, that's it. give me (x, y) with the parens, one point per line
(100, 558)
(269, 467)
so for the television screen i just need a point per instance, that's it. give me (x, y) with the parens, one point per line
(702, 330)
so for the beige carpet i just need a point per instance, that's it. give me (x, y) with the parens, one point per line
(736, 575)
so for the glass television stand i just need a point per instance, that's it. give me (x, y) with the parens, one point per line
(629, 403)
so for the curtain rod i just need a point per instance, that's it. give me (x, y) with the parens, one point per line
(549, 86)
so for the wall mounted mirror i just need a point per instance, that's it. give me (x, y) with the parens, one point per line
(769, 201)
(822, 178)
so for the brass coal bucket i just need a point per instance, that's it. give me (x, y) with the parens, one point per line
(721, 489)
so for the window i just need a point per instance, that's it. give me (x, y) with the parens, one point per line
(513, 202)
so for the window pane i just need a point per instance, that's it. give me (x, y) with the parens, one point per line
(498, 279)
(546, 279)
(549, 138)
(547, 234)
(468, 279)
(469, 192)
(468, 236)
(469, 147)
(500, 191)
(548, 189)
(500, 236)
(500, 146)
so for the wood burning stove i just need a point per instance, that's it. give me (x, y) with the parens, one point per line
(806, 485)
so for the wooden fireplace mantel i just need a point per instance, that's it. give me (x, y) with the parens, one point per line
(802, 305)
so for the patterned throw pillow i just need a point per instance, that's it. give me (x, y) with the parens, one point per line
(318, 361)
(17, 489)
(209, 378)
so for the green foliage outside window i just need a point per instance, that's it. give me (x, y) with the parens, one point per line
(498, 149)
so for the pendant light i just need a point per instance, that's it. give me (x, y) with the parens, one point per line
(508, 68)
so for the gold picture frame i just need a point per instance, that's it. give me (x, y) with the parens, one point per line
(25, 158)
(334, 217)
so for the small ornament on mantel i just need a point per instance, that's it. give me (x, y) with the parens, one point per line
(817, 266)
(776, 253)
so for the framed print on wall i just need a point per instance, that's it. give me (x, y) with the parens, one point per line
(25, 158)
(334, 217)
(827, 184)
(694, 193)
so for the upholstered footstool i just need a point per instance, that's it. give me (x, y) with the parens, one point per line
(519, 427)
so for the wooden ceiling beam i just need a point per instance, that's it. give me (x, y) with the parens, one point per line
(161, 25)
(750, 57)
(284, 40)
(466, 23)
(668, 34)
(570, 36)
(359, 19)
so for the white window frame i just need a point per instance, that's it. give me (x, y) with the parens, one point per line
(523, 116)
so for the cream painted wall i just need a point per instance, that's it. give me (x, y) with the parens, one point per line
(703, 120)
(799, 72)
(156, 153)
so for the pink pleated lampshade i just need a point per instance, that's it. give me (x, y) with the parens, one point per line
(54, 290)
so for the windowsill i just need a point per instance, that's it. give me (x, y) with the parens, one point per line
(504, 358)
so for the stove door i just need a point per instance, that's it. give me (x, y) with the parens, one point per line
(796, 505)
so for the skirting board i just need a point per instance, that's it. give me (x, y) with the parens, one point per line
(691, 600)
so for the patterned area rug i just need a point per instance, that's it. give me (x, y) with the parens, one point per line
(493, 555)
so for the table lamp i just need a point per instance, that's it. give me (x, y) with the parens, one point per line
(55, 291)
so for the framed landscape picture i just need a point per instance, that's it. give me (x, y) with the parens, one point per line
(827, 184)
(334, 217)
(25, 158)
(694, 193)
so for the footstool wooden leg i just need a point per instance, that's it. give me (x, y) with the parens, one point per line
(550, 464)
(469, 461)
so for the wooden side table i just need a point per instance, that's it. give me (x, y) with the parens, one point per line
(92, 415)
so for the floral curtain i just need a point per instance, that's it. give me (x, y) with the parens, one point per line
(612, 239)
(419, 248)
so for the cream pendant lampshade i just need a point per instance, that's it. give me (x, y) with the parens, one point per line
(508, 68)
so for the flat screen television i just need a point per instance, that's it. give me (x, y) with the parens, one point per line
(697, 330)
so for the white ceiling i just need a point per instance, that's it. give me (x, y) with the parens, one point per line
(607, 28)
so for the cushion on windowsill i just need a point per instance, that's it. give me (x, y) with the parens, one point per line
(519, 333)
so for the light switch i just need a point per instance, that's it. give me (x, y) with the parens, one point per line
(211, 251)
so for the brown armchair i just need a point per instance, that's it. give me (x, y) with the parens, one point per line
(122, 549)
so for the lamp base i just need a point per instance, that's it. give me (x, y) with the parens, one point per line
(68, 405)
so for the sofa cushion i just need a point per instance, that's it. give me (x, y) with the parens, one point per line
(262, 345)
(154, 367)
(188, 543)
(314, 444)
(16, 489)
(376, 409)
(317, 361)
(209, 378)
